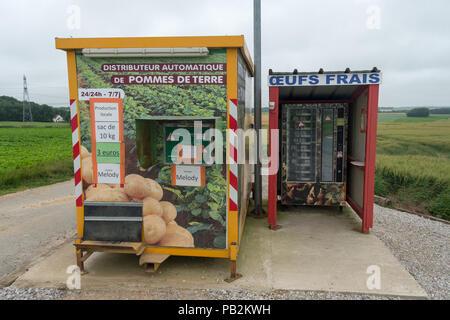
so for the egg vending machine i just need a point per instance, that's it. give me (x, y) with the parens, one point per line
(314, 152)
(326, 146)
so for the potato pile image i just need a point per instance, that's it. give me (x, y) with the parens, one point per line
(160, 227)
(159, 216)
(86, 164)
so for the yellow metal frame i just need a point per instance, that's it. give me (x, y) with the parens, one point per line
(69, 44)
(190, 252)
(232, 44)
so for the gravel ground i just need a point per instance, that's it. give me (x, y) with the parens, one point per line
(178, 294)
(212, 294)
(31, 294)
(421, 245)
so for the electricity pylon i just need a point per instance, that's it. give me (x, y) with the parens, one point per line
(26, 99)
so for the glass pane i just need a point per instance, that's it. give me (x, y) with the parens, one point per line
(301, 144)
(327, 144)
(340, 145)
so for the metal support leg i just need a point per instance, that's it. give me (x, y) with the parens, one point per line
(233, 274)
(80, 260)
(233, 257)
(255, 213)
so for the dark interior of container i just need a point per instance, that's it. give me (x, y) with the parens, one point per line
(357, 101)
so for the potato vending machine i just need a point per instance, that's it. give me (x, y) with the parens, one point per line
(327, 137)
(155, 124)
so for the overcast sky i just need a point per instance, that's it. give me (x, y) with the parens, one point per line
(409, 40)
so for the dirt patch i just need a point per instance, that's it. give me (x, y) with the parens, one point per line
(409, 206)
(49, 202)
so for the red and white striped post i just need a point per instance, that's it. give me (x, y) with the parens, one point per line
(76, 153)
(233, 156)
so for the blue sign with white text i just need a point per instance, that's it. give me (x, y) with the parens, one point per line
(337, 79)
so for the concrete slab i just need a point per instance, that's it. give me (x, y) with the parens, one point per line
(318, 249)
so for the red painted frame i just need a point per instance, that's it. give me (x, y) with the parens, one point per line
(371, 147)
(366, 212)
(273, 183)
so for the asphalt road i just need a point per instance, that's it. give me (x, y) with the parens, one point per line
(32, 222)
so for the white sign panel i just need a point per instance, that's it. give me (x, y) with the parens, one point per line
(106, 111)
(107, 132)
(188, 176)
(108, 173)
(338, 79)
(86, 94)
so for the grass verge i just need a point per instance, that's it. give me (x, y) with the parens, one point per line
(40, 175)
(426, 196)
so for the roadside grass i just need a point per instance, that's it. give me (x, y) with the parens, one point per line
(40, 175)
(34, 154)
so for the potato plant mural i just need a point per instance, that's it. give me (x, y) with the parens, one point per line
(201, 210)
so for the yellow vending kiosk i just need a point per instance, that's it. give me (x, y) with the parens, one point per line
(154, 124)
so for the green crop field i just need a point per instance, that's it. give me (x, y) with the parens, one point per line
(12, 124)
(413, 163)
(34, 154)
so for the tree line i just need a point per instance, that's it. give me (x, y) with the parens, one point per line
(11, 110)
(425, 112)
